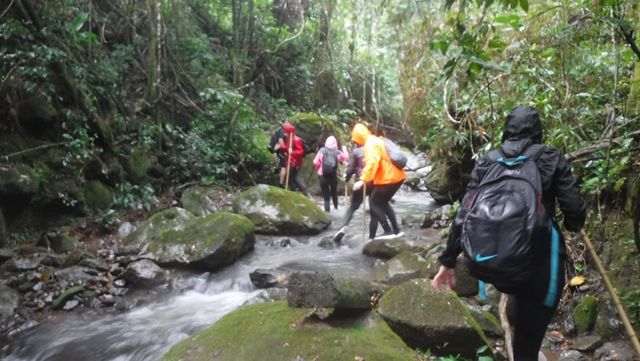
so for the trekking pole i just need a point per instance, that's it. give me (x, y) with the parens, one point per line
(286, 183)
(506, 326)
(364, 210)
(346, 193)
(616, 299)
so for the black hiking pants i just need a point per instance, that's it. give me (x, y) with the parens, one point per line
(329, 186)
(357, 197)
(294, 184)
(381, 211)
(528, 315)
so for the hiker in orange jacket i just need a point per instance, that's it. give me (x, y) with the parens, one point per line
(386, 179)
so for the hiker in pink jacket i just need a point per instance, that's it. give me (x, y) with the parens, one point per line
(326, 162)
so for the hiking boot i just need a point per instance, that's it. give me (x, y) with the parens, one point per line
(338, 236)
(386, 236)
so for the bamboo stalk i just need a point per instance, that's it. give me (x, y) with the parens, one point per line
(616, 300)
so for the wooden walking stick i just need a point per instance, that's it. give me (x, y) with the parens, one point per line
(286, 183)
(612, 292)
(506, 326)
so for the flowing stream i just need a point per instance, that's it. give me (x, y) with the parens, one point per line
(146, 332)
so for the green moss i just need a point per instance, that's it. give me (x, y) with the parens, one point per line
(67, 294)
(272, 332)
(314, 129)
(158, 224)
(585, 312)
(209, 230)
(18, 180)
(137, 165)
(274, 209)
(196, 201)
(97, 195)
(404, 266)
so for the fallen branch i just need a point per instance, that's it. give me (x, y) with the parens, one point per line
(44, 146)
(580, 154)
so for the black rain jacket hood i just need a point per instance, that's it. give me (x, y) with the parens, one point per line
(521, 128)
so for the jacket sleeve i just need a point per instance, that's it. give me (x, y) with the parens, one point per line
(343, 157)
(317, 161)
(298, 148)
(570, 200)
(351, 167)
(453, 249)
(371, 162)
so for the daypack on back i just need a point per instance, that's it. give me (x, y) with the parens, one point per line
(395, 153)
(504, 218)
(329, 161)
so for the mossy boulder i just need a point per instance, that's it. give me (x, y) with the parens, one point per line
(137, 165)
(445, 183)
(386, 249)
(207, 243)
(97, 196)
(431, 319)
(309, 177)
(274, 332)
(171, 219)
(59, 242)
(18, 181)
(277, 211)
(315, 130)
(585, 313)
(197, 201)
(401, 268)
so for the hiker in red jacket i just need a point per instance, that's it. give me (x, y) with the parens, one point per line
(297, 153)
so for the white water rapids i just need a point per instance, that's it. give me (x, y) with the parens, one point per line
(147, 331)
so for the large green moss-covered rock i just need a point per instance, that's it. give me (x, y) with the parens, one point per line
(197, 201)
(309, 176)
(277, 211)
(585, 313)
(401, 268)
(445, 182)
(97, 195)
(208, 243)
(171, 219)
(18, 181)
(430, 319)
(274, 332)
(315, 130)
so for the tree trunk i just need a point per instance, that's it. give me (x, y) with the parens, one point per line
(325, 290)
(154, 55)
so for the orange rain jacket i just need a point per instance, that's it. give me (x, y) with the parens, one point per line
(378, 167)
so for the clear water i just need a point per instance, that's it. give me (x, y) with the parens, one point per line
(146, 332)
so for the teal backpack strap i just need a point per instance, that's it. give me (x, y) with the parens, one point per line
(483, 290)
(552, 291)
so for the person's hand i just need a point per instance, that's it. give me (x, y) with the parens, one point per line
(357, 185)
(445, 276)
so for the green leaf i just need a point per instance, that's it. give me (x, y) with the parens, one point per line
(524, 4)
(487, 64)
(549, 53)
(512, 20)
(78, 22)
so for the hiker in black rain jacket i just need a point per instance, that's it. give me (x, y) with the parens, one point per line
(529, 315)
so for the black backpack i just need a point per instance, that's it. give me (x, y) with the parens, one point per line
(504, 218)
(329, 162)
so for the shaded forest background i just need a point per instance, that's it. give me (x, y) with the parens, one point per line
(105, 106)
